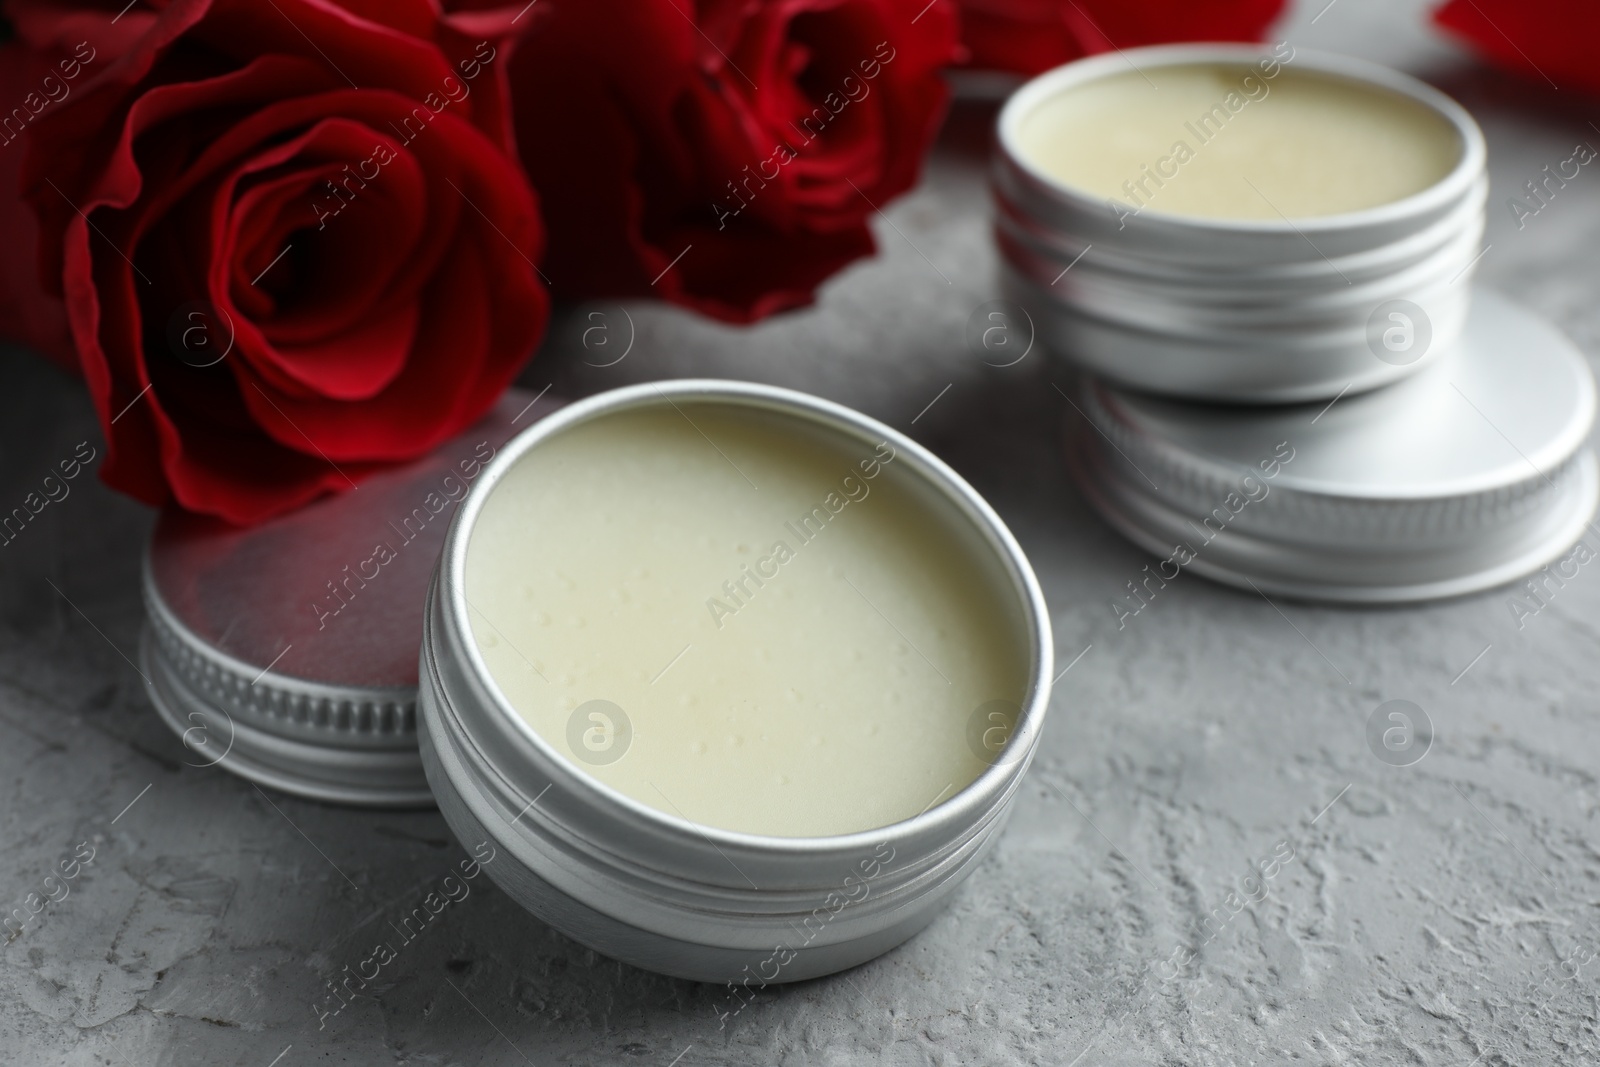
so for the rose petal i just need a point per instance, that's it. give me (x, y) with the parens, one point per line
(1548, 41)
(1029, 36)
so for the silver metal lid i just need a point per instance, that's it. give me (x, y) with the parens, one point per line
(287, 652)
(1466, 476)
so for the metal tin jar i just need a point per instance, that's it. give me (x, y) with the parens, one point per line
(1469, 475)
(674, 896)
(285, 652)
(1247, 311)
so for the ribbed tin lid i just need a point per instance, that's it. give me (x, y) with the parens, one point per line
(1464, 477)
(287, 652)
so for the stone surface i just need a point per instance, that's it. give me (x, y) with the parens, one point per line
(1442, 913)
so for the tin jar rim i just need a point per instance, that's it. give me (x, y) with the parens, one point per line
(942, 821)
(1453, 186)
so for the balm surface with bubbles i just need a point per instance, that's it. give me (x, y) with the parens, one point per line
(1225, 141)
(796, 628)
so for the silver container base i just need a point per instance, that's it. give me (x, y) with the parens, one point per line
(471, 814)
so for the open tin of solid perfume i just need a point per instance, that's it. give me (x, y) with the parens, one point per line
(1466, 476)
(286, 652)
(1252, 247)
(709, 664)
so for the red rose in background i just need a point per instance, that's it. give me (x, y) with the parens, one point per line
(289, 238)
(723, 154)
(1551, 41)
(1028, 36)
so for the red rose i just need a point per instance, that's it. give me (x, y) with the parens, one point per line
(290, 238)
(1550, 41)
(1028, 36)
(724, 154)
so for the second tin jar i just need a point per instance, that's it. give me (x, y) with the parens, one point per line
(1305, 224)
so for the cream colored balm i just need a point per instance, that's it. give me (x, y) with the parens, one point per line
(741, 618)
(1225, 141)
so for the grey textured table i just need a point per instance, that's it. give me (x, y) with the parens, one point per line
(1442, 913)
